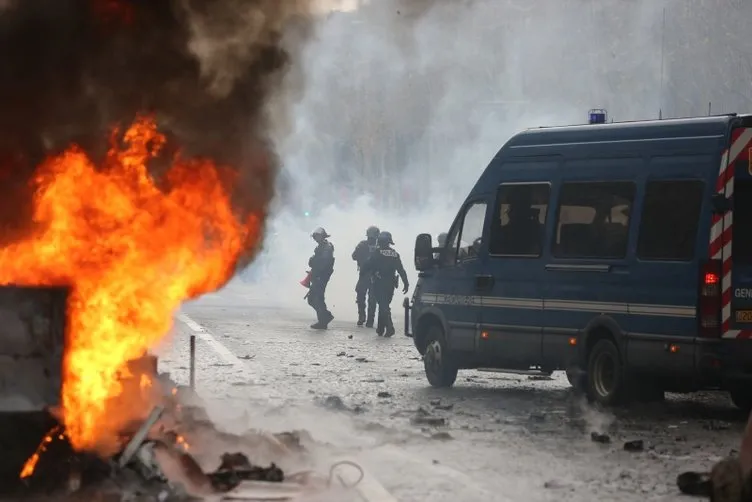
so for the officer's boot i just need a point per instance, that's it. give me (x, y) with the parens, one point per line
(389, 331)
(380, 324)
(371, 314)
(362, 314)
(321, 323)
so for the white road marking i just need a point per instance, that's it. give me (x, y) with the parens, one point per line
(215, 344)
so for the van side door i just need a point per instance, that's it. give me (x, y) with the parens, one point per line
(511, 322)
(459, 268)
(588, 274)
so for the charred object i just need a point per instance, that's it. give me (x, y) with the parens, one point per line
(38, 458)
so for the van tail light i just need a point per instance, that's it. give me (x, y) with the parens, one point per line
(709, 303)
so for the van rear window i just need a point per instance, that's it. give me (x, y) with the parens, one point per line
(593, 219)
(741, 243)
(670, 216)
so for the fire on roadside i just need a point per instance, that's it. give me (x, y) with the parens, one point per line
(132, 249)
(31, 463)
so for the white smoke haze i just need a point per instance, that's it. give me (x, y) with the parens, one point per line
(403, 108)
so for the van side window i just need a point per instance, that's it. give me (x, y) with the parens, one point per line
(519, 220)
(593, 219)
(670, 216)
(464, 241)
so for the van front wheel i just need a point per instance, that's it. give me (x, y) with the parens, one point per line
(440, 367)
(605, 374)
(742, 398)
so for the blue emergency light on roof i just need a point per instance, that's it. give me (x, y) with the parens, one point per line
(597, 116)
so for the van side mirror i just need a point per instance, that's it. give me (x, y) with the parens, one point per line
(721, 203)
(423, 252)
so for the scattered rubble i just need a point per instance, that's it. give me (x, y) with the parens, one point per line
(436, 403)
(634, 446)
(423, 417)
(442, 436)
(161, 459)
(716, 425)
(597, 437)
(334, 403)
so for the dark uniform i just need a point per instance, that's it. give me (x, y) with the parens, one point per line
(363, 288)
(441, 238)
(322, 267)
(385, 264)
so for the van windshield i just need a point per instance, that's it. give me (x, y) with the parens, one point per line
(742, 237)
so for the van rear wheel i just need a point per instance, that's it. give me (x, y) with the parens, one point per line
(438, 362)
(605, 374)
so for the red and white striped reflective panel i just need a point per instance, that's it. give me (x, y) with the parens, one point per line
(721, 232)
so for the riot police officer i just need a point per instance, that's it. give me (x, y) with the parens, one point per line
(384, 264)
(322, 267)
(441, 238)
(363, 288)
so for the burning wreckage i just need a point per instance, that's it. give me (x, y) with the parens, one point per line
(165, 455)
(101, 242)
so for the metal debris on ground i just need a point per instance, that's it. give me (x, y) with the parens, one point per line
(138, 438)
(600, 438)
(159, 462)
(236, 468)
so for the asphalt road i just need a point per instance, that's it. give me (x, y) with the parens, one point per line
(503, 437)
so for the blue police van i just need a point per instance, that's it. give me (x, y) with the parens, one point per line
(620, 253)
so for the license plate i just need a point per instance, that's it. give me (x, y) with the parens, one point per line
(743, 316)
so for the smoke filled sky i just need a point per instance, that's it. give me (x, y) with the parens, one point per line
(73, 69)
(405, 103)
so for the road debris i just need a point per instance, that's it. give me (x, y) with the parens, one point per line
(597, 437)
(161, 458)
(634, 446)
(442, 436)
(716, 425)
(425, 419)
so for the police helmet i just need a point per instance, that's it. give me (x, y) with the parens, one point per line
(384, 238)
(372, 232)
(319, 233)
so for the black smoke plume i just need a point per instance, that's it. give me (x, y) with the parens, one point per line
(72, 69)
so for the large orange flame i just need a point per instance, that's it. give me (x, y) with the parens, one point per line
(131, 251)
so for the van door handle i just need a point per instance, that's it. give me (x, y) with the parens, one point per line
(484, 282)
